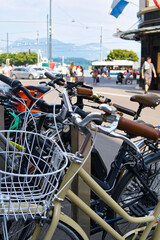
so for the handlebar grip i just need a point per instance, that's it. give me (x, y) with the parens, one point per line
(84, 91)
(12, 83)
(50, 76)
(125, 110)
(138, 129)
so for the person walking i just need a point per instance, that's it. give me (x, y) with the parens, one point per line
(72, 70)
(128, 79)
(81, 78)
(94, 75)
(64, 72)
(146, 71)
(108, 72)
(104, 71)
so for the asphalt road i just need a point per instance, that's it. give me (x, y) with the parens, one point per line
(120, 94)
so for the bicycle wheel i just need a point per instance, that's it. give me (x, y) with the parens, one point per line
(64, 231)
(132, 197)
(21, 230)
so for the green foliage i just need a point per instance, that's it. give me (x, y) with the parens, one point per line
(122, 54)
(17, 59)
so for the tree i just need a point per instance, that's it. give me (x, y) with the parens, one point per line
(17, 59)
(122, 54)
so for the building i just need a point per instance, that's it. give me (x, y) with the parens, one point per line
(148, 33)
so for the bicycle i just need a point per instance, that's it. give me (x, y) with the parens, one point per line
(114, 176)
(75, 165)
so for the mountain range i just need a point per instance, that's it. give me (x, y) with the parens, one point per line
(59, 49)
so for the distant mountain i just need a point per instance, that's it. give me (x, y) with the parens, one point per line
(59, 49)
(78, 61)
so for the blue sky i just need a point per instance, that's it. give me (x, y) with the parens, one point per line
(73, 21)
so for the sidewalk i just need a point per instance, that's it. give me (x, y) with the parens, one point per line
(104, 82)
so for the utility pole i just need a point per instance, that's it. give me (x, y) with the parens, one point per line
(101, 45)
(47, 39)
(7, 59)
(7, 44)
(50, 32)
(37, 48)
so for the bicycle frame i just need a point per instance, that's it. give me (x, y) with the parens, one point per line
(65, 191)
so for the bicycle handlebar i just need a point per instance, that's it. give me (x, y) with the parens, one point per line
(12, 83)
(83, 114)
(16, 85)
(84, 91)
(125, 110)
(138, 129)
(49, 75)
(129, 126)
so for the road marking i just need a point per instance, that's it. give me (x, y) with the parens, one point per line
(114, 94)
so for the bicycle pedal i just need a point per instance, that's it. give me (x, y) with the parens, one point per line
(138, 210)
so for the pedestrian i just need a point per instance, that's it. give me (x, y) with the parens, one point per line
(146, 72)
(72, 70)
(81, 77)
(79, 74)
(94, 75)
(104, 71)
(127, 79)
(108, 72)
(134, 74)
(64, 72)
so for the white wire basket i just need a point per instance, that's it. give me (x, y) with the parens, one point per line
(31, 169)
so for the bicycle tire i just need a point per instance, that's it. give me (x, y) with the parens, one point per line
(21, 230)
(69, 233)
(129, 186)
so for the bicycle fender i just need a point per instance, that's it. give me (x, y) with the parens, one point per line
(69, 221)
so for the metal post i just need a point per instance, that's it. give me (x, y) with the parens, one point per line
(101, 44)
(50, 32)
(37, 48)
(47, 39)
(7, 44)
(79, 187)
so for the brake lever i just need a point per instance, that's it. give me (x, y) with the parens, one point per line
(110, 131)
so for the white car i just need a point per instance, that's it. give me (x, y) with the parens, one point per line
(47, 69)
(25, 72)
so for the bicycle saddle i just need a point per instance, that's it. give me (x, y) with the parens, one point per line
(147, 100)
(42, 89)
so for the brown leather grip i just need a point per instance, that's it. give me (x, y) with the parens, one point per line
(84, 91)
(138, 129)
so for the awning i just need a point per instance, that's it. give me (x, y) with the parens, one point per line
(135, 34)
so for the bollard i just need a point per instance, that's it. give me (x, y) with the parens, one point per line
(79, 187)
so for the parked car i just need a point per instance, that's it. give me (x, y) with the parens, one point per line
(25, 72)
(47, 69)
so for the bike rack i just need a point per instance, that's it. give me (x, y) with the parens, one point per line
(78, 185)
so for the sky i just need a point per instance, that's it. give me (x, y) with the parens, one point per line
(73, 21)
